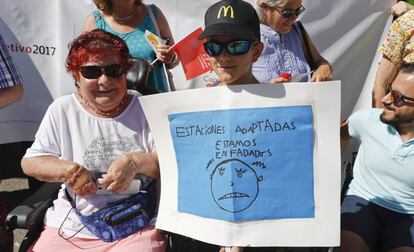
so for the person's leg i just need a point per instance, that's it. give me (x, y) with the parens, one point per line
(398, 234)
(50, 241)
(351, 241)
(179, 243)
(145, 240)
(402, 249)
(360, 227)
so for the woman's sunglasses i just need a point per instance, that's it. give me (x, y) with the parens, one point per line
(238, 47)
(287, 13)
(399, 99)
(94, 72)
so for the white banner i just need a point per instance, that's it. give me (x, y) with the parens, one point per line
(347, 33)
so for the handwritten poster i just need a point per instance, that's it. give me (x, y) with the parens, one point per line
(246, 163)
(249, 165)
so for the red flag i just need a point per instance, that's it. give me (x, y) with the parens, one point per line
(191, 53)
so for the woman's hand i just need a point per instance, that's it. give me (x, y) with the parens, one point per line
(279, 80)
(79, 180)
(283, 77)
(165, 55)
(322, 73)
(120, 174)
(122, 171)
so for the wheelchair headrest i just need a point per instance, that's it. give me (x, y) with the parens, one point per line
(137, 76)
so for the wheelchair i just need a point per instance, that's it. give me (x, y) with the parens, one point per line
(29, 214)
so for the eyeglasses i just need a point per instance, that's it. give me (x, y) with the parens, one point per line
(399, 99)
(238, 47)
(287, 13)
(94, 72)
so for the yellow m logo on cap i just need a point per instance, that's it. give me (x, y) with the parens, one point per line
(225, 10)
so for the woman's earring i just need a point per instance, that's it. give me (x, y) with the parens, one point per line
(77, 85)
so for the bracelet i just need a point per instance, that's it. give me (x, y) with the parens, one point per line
(132, 161)
(74, 177)
(173, 61)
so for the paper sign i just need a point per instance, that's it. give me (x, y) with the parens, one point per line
(246, 163)
(249, 165)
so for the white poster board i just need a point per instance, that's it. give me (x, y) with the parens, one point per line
(191, 128)
(347, 33)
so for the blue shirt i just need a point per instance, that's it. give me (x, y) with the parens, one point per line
(138, 46)
(384, 167)
(9, 75)
(283, 53)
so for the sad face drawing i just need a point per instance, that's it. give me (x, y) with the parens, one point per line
(234, 185)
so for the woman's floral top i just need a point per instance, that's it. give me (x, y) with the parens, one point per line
(399, 44)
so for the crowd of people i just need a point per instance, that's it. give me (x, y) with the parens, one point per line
(96, 141)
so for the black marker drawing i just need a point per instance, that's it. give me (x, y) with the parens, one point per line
(234, 185)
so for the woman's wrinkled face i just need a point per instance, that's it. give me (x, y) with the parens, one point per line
(275, 19)
(104, 92)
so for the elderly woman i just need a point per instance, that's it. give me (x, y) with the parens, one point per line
(129, 19)
(99, 129)
(286, 47)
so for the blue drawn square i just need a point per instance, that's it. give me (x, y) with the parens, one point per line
(245, 164)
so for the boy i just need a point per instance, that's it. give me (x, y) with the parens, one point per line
(232, 30)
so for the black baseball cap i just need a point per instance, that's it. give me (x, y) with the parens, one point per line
(234, 18)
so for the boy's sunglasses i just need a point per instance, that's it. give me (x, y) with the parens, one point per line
(238, 47)
(399, 99)
(94, 72)
(287, 13)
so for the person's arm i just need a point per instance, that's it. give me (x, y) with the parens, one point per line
(400, 8)
(345, 137)
(10, 95)
(393, 51)
(89, 24)
(122, 170)
(163, 53)
(52, 169)
(384, 76)
(323, 71)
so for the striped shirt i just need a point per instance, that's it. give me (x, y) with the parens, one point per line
(282, 53)
(9, 75)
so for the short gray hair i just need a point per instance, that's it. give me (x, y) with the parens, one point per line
(272, 3)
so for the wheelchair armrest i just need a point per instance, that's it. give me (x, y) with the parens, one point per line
(32, 210)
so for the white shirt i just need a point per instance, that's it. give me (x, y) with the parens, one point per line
(69, 132)
(384, 167)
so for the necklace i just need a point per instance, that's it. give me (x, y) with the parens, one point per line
(127, 17)
(108, 114)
